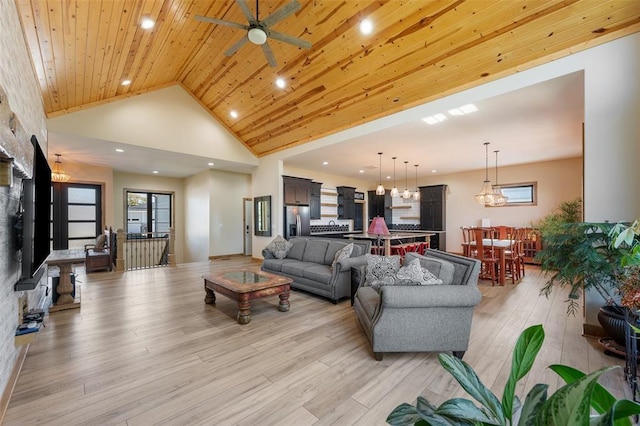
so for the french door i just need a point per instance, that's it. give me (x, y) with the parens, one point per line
(76, 214)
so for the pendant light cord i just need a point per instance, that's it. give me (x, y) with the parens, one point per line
(486, 161)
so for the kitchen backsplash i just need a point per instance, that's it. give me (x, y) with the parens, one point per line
(328, 228)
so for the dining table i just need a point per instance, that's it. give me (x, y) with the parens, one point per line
(393, 236)
(500, 247)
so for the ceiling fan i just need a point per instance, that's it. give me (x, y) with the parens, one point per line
(258, 30)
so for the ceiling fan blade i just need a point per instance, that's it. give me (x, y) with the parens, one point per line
(288, 39)
(281, 13)
(246, 11)
(233, 49)
(269, 54)
(221, 22)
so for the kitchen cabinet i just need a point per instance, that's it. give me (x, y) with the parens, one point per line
(297, 191)
(380, 205)
(433, 215)
(346, 202)
(315, 196)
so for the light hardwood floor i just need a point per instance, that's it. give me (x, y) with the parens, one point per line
(145, 349)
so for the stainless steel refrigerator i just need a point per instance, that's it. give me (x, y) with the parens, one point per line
(297, 221)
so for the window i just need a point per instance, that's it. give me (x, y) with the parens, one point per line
(520, 194)
(148, 212)
(76, 215)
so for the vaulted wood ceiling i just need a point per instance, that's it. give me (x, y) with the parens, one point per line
(418, 51)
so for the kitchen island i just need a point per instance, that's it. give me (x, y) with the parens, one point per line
(397, 237)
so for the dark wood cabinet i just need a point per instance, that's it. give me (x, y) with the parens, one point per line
(433, 213)
(297, 191)
(346, 202)
(531, 245)
(314, 200)
(380, 205)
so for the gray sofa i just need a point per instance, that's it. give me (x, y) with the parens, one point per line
(422, 318)
(308, 264)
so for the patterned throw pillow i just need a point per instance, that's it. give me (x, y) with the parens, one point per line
(412, 272)
(279, 247)
(429, 278)
(343, 253)
(381, 270)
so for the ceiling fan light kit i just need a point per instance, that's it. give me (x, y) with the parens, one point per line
(258, 31)
(257, 36)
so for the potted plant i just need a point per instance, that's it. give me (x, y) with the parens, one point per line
(569, 405)
(590, 256)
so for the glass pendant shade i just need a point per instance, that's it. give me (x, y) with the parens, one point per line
(486, 195)
(394, 190)
(57, 173)
(406, 193)
(380, 189)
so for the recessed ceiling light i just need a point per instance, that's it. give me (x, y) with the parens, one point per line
(464, 109)
(435, 119)
(324, 163)
(147, 23)
(433, 171)
(361, 171)
(119, 150)
(366, 26)
(126, 82)
(233, 114)
(210, 164)
(388, 177)
(281, 83)
(155, 172)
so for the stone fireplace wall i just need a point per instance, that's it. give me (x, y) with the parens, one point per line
(22, 95)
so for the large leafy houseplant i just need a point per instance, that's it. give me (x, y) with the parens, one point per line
(585, 255)
(569, 405)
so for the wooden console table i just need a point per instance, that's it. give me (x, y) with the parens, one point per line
(63, 259)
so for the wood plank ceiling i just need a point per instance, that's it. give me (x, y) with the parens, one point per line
(419, 51)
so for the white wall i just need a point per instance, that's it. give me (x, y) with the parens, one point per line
(267, 180)
(130, 181)
(168, 119)
(226, 192)
(196, 213)
(557, 181)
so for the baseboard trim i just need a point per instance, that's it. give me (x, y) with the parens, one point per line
(224, 256)
(591, 330)
(13, 379)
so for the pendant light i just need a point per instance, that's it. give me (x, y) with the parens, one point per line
(485, 196)
(499, 199)
(58, 174)
(416, 195)
(380, 189)
(394, 191)
(406, 194)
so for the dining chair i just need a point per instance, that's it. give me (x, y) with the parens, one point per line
(486, 254)
(468, 240)
(512, 257)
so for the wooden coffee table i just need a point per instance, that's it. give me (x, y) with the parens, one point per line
(244, 285)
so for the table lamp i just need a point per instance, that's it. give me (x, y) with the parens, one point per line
(378, 227)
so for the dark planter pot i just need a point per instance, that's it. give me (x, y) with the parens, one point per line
(611, 318)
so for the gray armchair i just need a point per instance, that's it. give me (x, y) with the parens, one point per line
(422, 318)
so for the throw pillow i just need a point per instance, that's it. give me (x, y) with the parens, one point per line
(412, 272)
(429, 278)
(343, 253)
(279, 247)
(381, 269)
(101, 242)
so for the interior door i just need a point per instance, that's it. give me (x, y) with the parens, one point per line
(248, 225)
